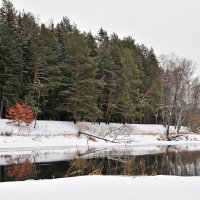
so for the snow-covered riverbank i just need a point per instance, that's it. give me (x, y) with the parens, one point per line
(59, 134)
(56, 141)
(45, 127)
(104, 187)
(49, 134)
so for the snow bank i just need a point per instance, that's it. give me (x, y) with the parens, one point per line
(64, 128)
(104, 187)
(42, 128)
(58, 134)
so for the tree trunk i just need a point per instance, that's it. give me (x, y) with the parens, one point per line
(167, 130)
(168, 125)
(179, 122)
(38, 104)
(1, 108)
(90, 135)
(1, 174)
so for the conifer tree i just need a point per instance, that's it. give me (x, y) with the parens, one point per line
(129, 97)
(104, 64)
(79, 81)
(11, 68)
(63, 32)
(80, 76)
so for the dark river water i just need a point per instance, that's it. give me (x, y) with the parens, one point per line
(146, 160)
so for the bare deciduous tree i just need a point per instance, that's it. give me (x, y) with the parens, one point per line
(179, 92)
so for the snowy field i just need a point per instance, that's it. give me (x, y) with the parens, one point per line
(104, 187)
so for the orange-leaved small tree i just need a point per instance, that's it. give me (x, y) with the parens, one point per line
(20, 113)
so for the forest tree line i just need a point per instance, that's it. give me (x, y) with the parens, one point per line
(65, 74)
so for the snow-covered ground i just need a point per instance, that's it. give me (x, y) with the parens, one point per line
(50, 128)
(48, 134)
(53, 137)
(55, 140)
(104, 187)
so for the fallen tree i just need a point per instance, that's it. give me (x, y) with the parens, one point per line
(94, 136)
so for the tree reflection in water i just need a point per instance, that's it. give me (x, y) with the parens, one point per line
(171, 161)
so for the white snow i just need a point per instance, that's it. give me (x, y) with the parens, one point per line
(55, 140)
(45, 127)
(57, 135)
(42, 128)
(104, 187)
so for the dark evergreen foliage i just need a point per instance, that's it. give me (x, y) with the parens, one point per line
(64, 74)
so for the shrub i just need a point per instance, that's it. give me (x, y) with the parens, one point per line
(193, 122)
(20, 113)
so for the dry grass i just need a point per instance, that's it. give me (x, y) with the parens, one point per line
(6, 133)
(96, 172)
(80, 164)
(92, 139)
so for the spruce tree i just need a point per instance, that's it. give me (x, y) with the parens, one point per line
(104, 64)
(11, 67)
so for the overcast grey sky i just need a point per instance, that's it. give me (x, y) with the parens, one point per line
(166, 25)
